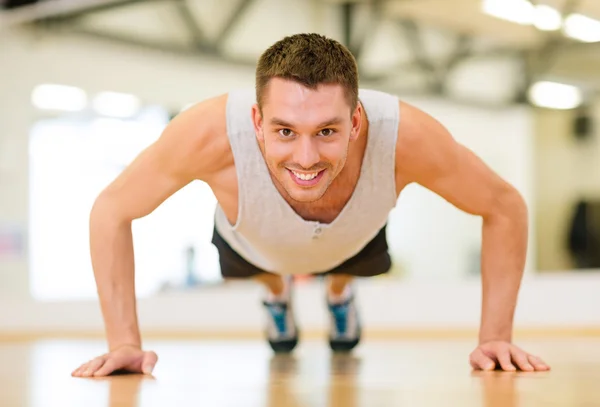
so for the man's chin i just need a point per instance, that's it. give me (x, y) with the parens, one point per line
(305, 195)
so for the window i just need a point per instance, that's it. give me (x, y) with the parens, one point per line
(71, 161)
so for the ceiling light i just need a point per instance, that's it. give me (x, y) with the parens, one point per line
(516, 11)
(546, 18)
(554, 95)
(582, 28)
(59, 98)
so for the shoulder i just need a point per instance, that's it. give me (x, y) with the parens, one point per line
(423, 145)
(199, 138)
(428, 154)
(417, 128)
(202, 118)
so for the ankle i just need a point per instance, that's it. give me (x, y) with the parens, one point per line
(279, 292)
(337, 296)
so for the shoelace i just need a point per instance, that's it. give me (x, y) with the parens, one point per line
(278, 312)
(340, 314)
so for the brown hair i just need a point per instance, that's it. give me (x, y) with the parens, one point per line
(310, 59)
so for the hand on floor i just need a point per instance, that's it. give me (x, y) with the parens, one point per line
(125, 358)
(506, 356)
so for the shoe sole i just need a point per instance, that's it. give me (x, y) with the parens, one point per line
(285, 346)
(342, 346)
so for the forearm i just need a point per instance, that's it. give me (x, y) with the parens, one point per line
(111, 246)
(504, 250)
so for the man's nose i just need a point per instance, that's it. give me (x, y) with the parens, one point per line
(306, 153)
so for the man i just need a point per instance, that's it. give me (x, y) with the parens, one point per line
(306, 170)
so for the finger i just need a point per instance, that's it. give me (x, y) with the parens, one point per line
(538, 363)
(93, 366)
(521, 359)
(504, 360)
(480, 360)
(79, 371)
(150, 359)
(109, 366)
(76, 371)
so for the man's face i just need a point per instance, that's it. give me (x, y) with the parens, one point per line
(305, 135)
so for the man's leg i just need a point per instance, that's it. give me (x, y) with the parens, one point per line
(345, 325)
(338, 284)
(281, 329)
(275, 284)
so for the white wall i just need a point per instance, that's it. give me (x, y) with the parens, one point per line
(428, 225)
(423, 223)
(151, 77)
(567, 170)
(546, 302)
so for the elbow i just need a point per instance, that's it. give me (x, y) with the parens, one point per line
(509, 204)
(105, 212)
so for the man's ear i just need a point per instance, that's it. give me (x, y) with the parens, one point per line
(356, 122)
(257, 121)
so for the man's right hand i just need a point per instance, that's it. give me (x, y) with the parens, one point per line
(126, 358)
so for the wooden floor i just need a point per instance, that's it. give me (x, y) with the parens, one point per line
(237, 373)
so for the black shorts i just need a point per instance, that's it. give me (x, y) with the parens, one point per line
(372, 260)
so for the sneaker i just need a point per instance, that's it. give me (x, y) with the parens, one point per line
(282, 331)
(345, 326)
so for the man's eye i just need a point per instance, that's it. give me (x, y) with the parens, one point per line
(285, 132)
(327, 132)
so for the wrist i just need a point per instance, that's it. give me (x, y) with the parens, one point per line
(119, 337)
(495, 330)
(118, 346)
(488, 337)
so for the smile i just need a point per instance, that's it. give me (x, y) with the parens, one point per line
(306, 179)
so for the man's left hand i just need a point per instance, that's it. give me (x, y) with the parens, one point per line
(506, 356)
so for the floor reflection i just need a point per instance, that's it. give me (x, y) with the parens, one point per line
(285, 386)
(227, 374)
(125, 389)
(498, 388)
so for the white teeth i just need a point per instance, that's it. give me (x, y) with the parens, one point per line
(305, 177)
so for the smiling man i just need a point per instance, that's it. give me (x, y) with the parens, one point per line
(306, 169)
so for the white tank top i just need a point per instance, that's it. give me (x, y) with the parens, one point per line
(268, 232)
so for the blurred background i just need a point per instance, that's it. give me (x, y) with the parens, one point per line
(86, 85)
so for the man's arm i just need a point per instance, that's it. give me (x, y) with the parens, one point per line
(187, 150)
(428, 155)
(190, 148)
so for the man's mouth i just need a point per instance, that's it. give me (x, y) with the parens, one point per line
(306, 178)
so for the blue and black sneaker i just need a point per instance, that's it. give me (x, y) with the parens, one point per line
(282, 331)
(345, 326)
